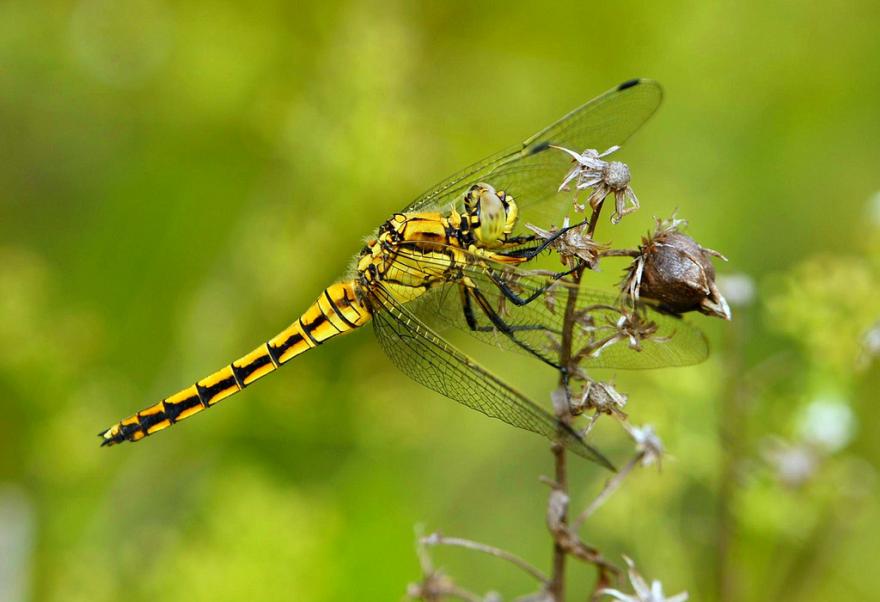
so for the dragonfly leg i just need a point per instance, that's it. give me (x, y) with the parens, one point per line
(470, 318)
(531, 253)
(518, 299)
(510, 331)
(498, 323)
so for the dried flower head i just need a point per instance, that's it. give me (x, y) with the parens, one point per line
(673, 269)
(631, 325)
(642, 593)
(648, 444)
(574, 243)
(604, 177)
(601, 397)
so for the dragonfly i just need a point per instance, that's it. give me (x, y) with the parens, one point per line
(454, 257)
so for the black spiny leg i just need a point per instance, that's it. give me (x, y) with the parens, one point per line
(468, 310)
(498, 323)
(471, 320)
(527, 253)
(519, 300)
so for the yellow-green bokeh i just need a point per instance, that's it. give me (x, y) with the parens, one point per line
(179, 179)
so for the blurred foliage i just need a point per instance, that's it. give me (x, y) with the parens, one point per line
(178, 179)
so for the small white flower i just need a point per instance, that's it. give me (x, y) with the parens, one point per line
(828, 423)
(648, 444)
(794, 464)
(604, 177)
(642, 593)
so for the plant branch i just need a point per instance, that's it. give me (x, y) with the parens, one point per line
(611, 485)
(619, 253)
(561, 533)
(435, 539)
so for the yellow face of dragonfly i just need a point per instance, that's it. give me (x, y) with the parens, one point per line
(492, 215)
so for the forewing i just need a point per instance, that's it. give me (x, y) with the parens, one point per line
(426, 358)
(532, 171)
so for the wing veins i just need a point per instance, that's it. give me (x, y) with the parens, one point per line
(451, 373)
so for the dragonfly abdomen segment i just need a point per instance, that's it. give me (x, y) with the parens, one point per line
(337, 311)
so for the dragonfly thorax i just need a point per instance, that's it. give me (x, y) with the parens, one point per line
(491, 215)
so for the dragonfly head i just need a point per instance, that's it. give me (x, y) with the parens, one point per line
(491, 214)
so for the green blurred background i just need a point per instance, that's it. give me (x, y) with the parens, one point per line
(178, 180)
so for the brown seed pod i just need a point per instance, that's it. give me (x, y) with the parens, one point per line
(674, 270)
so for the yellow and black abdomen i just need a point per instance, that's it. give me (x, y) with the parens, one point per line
(337, 311)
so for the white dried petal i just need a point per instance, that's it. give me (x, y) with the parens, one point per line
(642, 592)
(648, 444)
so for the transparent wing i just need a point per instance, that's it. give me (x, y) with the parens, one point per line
(532, 171)
(426, 358)
(611, 334)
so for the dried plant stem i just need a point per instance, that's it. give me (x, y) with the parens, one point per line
(435, 588)
(454, 591)
(611, 485)
(556, 584)
(619, 253)
(435, 539)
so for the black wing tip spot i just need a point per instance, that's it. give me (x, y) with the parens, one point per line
(629, 84)
(539, 147)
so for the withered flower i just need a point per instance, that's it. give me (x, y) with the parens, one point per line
(630, 325)
(673, 269)
(601, 397)
(641, 591)
(573, 243)
(604, 177)
(648, 444)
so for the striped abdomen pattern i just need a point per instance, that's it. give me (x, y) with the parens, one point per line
(337, 311)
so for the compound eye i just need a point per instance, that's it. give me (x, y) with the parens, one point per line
(493, 216)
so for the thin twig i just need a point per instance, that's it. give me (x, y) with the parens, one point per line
(435, 539)
(436, 587)
(455, 591)
(611, 485)
(425, 561)
(556, 585)
(619, 253)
